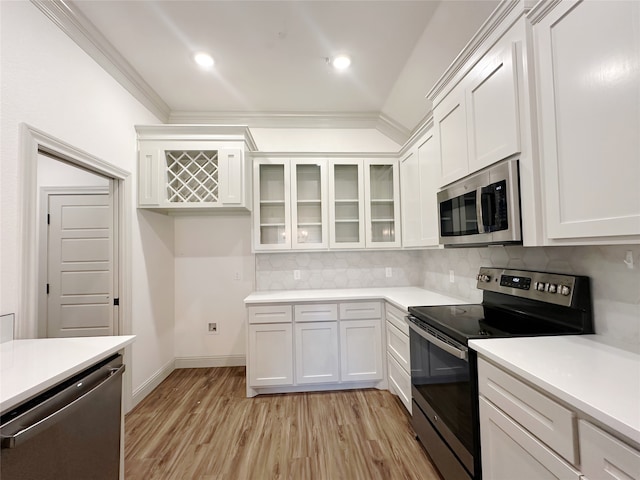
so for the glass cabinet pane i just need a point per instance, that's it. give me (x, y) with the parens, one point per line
(347, 204)
(308, 178)
(272, 205)
(382, 205)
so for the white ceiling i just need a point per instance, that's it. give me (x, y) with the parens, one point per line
(271, 55)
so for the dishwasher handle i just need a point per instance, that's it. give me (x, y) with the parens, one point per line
(24, 433)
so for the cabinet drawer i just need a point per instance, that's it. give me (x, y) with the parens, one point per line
(511, 452)
(543, 417)
(360, 310)
(605, 457)
(398, 346)
(396, 317)
(270, 314)
(322, 312)
(399, 382)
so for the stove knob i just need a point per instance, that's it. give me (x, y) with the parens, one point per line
(565, 290)
(539, 286)
(484, 278)
(553, 288)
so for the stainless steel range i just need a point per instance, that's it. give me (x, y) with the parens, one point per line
(444, 386)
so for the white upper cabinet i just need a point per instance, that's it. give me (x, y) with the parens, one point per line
(477, 123)
(450, 121)
(588, 78)
(492, 108)
(419, 177)
(382, 203)
(183, 168)
(309, 206)
(346, 204)
(272, 210)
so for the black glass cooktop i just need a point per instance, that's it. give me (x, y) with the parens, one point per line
(464, 322)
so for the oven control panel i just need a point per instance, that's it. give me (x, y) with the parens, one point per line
(553, 288)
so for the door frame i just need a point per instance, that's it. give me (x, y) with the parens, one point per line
(32, 142)
(43, 250)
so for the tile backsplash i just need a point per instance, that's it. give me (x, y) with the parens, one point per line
(275, 271)
(615, 287)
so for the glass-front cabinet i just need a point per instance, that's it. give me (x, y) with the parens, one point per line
(346, 211)
(272, 217)
(316, 204)
(309, 204)
(382, 208)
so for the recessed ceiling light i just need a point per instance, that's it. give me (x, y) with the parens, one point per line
(341, 62)
(204, 60)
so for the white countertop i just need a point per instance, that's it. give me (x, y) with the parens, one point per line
(600, 380)
(401, 297)
(29, 367)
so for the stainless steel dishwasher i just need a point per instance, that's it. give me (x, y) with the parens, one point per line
(70, 432)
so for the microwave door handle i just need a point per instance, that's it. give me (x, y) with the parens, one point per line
(479, 210)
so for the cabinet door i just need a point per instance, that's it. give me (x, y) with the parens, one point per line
(510, 452)
(399, 382)
(270, 355)
(410, 195)
(429, 186)
(272, 210)
(309, 204)
(346, 204)
(231, 177)
(588, 74)
(450, 123)
(150, 177)
(316, 352)
(382, 207)
(492, 107)
(398, 346)
(360, 350)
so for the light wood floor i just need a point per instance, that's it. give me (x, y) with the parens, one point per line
(198, 425)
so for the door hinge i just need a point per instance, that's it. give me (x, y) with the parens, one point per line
(48, 219)
(47, 289)
(116, 301)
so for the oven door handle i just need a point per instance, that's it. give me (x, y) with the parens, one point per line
(456, 352)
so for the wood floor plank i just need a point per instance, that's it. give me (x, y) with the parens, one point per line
(198, 424)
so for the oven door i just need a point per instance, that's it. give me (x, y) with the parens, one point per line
(442, 388)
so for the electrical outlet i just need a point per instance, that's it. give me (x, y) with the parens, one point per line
(452, 277)
(212, 328)
(296, 274)
(388, 272)
(237, 276)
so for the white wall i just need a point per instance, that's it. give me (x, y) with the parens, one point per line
(322, 140)
(449, 30)
(54, 173)
(214, 272)
(48, 82)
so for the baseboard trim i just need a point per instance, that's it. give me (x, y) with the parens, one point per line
(156, 379)
(208, 362)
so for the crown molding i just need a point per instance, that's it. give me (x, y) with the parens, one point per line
(373, 120)
(71, 21)
(541, 10)
(500, 20)
(225, 132)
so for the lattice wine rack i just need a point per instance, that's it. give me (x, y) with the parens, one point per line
(192, 176)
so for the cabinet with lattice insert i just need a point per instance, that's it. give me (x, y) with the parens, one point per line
(182, 168)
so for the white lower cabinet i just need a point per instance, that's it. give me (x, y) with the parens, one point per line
(311, 346)
(510, 452)
(271, 359)
(526, 433)
(605, 457)
(316, 352)
(360, 350)
(398, 355)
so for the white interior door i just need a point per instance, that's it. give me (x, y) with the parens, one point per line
(80, 266)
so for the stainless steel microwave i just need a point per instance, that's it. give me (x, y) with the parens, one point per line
(482, 209)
